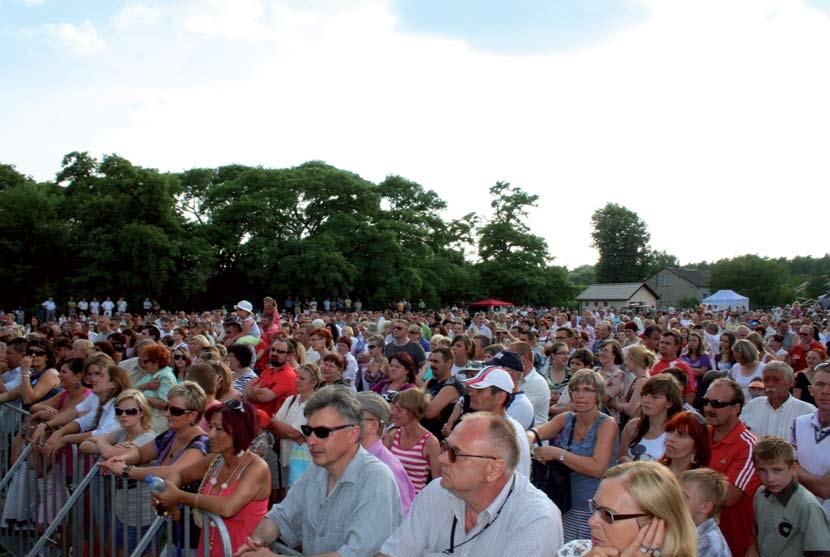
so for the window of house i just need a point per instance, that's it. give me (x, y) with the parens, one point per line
(665, 280)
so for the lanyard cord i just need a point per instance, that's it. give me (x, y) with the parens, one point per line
(451, 549)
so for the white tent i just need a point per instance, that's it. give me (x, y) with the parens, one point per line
(727, 299)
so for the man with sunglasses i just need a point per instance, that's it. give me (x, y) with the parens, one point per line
(480, 505)
(347, 502)
(732, 446)
(276, 382)
(402, 343)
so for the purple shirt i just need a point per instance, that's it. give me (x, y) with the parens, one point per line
(405, 487)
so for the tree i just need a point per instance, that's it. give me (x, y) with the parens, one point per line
(514, 262)
(659, 260)
(766, 282)
(622, 239)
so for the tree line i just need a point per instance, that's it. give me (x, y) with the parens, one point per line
(203, 237)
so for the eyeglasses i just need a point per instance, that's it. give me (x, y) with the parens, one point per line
(804, 334)
(399, 328)
(127, 411)
(35, 352)
(176, 411)
(277, 351)
(372, 346)
(179, 357)
(609, 516)
(321, 432)
(235, 405)
(718, 403)
(453, 454)
(583, 391)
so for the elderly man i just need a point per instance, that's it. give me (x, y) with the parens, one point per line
(491, 391)
(494, 510)
(774, 413)
(375, 418)
(811, 437)
(347, 503)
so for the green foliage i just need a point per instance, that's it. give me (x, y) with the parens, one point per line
(766, 282)
(622, 239)
(688, 302)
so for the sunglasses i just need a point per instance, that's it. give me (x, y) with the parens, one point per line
(276, 351)
(179, 357)
(127, 411)
(321, 432)
(35, 352)
(717, 403)
(609, 516)
(176, 411)
(372, 346)
(235, 405)
(453, 454)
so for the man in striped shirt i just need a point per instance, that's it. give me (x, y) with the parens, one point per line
(732, 446)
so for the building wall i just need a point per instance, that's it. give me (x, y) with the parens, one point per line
(643, 298)
(672, 288)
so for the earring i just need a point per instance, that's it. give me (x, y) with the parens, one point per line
(77, 385)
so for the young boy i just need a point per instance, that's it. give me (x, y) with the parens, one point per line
(789, 521)
(705, 491)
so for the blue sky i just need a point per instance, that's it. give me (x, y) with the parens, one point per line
(696, 115)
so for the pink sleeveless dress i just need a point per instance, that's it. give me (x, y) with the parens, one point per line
(414, 459)
(240, 526)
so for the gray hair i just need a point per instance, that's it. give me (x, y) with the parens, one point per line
(342, 399)
(500, 435)
(781, 367)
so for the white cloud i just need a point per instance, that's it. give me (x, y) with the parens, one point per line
(709, 119)
(81, 40)
(136, 15)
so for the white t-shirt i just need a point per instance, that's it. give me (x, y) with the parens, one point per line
(538, 392)
(291, 413)
(524, 447)
(744, 381)
(521, 410)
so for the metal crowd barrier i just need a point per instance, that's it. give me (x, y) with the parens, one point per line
(64, 504)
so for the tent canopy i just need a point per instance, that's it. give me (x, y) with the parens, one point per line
(490, 302)
(723, 299)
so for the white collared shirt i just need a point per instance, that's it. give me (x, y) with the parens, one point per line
(518, 522)
(762, 419)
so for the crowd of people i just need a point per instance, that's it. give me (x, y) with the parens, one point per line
(407, 432)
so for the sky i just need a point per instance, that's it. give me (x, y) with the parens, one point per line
(709, 119)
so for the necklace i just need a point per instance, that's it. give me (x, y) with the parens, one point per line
(223, 486)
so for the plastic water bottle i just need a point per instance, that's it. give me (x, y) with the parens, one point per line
(157, 485)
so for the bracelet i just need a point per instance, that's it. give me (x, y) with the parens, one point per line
(561, 455)
(126, 472)
(535, 434)
(196, 501)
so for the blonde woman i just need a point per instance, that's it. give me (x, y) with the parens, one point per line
(638, 361)
(747, 367)
(638, 510)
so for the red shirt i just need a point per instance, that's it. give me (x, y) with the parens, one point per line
(732, 456)
(691, 379)
(282, 381)
(798, 355)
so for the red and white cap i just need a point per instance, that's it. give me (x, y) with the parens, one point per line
(492, 377)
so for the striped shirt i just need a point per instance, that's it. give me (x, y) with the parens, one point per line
(414, 459)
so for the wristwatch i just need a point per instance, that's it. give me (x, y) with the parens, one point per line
(561, 455)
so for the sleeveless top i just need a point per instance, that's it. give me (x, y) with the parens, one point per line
(413, 459)
(34, 378)
(582, 487)
(648, 449)
(240, 526)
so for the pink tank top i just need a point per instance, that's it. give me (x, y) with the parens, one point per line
(240, 526)
(413, 459)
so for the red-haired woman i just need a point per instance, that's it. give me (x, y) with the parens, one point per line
(235, 483)
(157, 379)
(687, 443)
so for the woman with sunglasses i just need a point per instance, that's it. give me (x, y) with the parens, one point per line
(688, 444)
(235, 482)
(39, 380)
(133, 414)
(183, 444)
(181, 361)
(638, 510)
(376, 366)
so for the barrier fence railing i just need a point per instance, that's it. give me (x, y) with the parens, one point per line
(51, 504)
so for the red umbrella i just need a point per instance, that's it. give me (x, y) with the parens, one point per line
(490, 302)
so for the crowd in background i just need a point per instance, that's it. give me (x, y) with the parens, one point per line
(242, 411)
